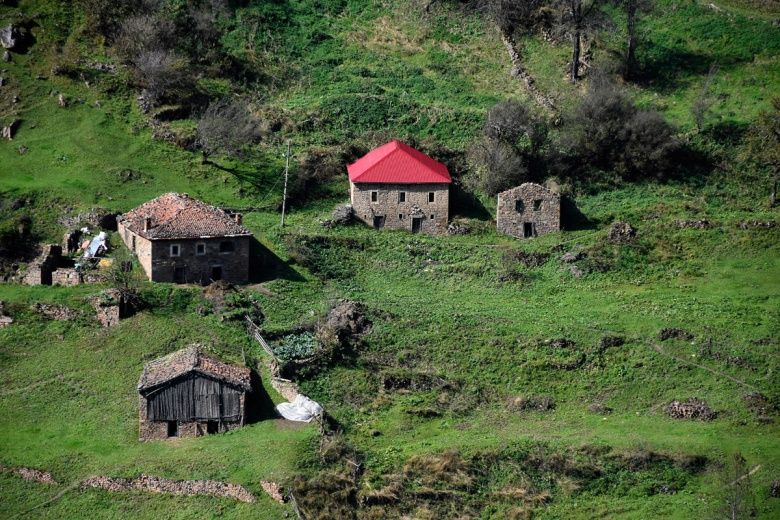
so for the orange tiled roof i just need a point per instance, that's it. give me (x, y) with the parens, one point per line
(175, 215)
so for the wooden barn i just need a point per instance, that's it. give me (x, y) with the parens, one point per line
(187, 394)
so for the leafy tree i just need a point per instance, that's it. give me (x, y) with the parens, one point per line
(608, 132)
(226, 126)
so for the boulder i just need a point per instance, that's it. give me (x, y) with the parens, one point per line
(343, 215)
(570, 257)
(6, 56)
(621, 233)
(575, 271)
(692, 409)
(9, 37)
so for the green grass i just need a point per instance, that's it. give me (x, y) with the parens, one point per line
(354, 72)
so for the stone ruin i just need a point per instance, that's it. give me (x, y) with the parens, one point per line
(111, 307)
(66, 276)
(54, 311)
(5, 320)
(39, 271)
(692, 409)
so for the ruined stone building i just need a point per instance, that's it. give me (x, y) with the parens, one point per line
(182, 240)
(187, 394)
(397, 187)
(527, 211)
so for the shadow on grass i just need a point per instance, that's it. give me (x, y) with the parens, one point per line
(265, 265)
(572, 219)
(466, 204)
(259, 406)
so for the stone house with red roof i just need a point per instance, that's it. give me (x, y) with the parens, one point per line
(188, 394)
(183, 240)
(397, 187)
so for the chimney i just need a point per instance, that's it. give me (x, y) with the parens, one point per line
(147, 223)
(239, 218)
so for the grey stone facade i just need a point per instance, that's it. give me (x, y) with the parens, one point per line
(199, 261)
(420, 208)
(527, 211)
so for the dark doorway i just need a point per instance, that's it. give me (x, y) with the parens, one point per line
(379, 222)
(216, 273)
(173, 429)
(528, 229)
(417, 224)
(212, 427)
(178, 274)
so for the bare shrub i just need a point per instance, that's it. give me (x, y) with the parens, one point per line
(227, 126)
(144, 33)
(163, 75)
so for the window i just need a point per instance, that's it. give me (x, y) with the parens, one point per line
(200, 249)
(402, 196)
(175, 250)
(400, 216)
(430, 196)
(537, 204)
(374, 196)
(519, 206)
(226, 247)
(431, 217)
(133, 241)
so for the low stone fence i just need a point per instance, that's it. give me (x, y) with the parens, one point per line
(174, 487)
(31, 475)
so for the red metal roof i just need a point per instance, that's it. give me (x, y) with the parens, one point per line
(398, 163)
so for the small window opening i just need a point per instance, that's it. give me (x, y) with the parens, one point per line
(200, 249)
(431, 196)
(226, 247)
(519, 206)
(400, 216)
(402, 196)
(175, 250)
(537, 204)
(431, 217)
(133, 241)
(173, 429)
(374, 196)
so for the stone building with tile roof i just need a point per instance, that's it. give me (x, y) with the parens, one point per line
(183, 240)
(397, 187)
(188, 394)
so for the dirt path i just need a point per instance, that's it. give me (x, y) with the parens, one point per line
(658, 348)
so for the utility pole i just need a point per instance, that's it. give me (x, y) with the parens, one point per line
(286, 172)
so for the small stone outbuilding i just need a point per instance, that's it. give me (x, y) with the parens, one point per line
(527, 211)
(397, 187)
(183, 240)
(187, 394)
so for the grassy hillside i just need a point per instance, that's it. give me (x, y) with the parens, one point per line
(467, 323)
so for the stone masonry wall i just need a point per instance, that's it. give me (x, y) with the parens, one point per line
(159, 265)
(398, 215)
(66, 276)
(158, 430)
(511, 217)
(198, 268)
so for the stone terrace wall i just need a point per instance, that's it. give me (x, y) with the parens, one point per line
(174, 487)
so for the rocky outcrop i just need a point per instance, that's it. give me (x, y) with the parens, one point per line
(9, 37)
(693, 224)
(274, 490)
(174, 487)
(692, 409)
(621, 233)
(672, 333)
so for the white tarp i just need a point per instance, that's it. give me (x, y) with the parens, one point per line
(301, 409)
(96, 246)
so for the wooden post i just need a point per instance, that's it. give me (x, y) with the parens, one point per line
(286, 172)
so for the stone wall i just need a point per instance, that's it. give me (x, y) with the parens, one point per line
(66, 276)
(175, 487)
(158, 430)
(433, 216)
(141, 247)
(40, 270)
(528, 210)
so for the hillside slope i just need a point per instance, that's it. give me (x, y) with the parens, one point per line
(463, 400)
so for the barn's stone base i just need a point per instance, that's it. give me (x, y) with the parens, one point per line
(158, 430)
